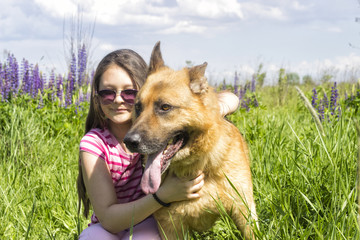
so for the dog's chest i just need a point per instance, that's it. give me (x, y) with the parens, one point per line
(199, 214)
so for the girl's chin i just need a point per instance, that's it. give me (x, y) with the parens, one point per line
(121, 119)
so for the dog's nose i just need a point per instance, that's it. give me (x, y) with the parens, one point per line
(132, 141)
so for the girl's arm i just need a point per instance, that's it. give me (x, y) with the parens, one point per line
(116, 217)
(228, 102)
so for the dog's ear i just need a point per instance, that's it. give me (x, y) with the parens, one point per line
(156, 60)
(198, 81)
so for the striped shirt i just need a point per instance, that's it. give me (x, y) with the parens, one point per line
(125, 169)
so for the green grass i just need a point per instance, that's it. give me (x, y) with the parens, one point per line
(304, 182)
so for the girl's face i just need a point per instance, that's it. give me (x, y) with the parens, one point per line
(116, 78)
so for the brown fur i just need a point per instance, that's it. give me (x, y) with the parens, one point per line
(215, 146)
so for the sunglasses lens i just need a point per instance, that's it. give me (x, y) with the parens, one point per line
(129, 95)
(107, 96)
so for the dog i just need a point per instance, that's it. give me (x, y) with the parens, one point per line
(178, 126)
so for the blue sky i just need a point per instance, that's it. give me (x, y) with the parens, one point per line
(305, 36)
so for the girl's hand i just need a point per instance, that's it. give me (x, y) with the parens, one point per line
(175, 189)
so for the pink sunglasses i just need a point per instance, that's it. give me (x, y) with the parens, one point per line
(108, 96)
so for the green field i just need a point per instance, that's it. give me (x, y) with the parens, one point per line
(304, 181)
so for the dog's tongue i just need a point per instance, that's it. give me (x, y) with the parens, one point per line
(151, 178)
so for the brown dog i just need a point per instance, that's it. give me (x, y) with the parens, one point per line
(177, 124)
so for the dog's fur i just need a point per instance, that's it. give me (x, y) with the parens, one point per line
(173, 103)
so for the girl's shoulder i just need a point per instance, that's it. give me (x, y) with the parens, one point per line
(97, 135)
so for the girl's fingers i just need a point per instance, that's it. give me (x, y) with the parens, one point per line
(193, 195)
(198, 178)
(195, 188)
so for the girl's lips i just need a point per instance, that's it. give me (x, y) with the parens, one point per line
(121, 110)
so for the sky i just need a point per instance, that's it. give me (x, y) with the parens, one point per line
(304, 36)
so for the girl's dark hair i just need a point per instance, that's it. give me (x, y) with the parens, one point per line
(136, 67)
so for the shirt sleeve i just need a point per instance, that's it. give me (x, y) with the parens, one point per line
(93, 143)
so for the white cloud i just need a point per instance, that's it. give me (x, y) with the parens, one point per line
(258, 10)
(58, 8)
(301, 7)
(211, 8)
(334, 29)
(184, 27)
(173, 19)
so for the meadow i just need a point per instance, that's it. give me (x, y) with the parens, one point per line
(304, 175)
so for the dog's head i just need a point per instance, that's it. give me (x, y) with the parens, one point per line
(171, 109)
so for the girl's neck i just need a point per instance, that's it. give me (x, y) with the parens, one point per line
(119, 130)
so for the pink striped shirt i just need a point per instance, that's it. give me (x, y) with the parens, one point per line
(125, 169)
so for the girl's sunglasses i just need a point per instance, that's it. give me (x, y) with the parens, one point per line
(108, 96)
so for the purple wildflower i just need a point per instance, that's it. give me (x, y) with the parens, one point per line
(334, 99)
(59, 87)
(70, 82)
(241, 93)
(2, 78)
(13, 76)
(35, 81)
(236, 83)
(325, 101)
(314, 98)
(82, 59)
(253, 84)
(255, 102)
(26, 81)
(245, 103)
(51, 85)
(321, 110)
(6, 82)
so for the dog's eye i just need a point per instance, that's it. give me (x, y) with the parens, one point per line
(165, 107)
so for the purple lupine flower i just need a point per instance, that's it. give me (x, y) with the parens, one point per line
(40, 103)
(321, 110)
(253, 84)
(255, 102)
(73, 70)
(81, 96)
(13, 75)
(25, 72)
(314, 98)
(247, 87)
(35, 81)
(6, 82)
(42, 80)
(241, 93)
(338, 113)
(82, 60)
(246, 104)
(59, 87)
(51, 85)
(325, 101)
(236, 83)
(334, 99)
(70, 82)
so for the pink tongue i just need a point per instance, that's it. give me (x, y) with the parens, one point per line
(151, 178)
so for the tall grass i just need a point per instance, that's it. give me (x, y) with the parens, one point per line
(304, 182)
(38, 170)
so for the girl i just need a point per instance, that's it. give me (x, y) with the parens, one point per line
(109, 174)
